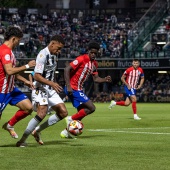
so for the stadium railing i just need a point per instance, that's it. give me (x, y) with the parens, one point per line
(146, 24)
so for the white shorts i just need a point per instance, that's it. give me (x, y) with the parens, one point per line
(50, 98)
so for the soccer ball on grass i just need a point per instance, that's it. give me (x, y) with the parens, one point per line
(75, 127)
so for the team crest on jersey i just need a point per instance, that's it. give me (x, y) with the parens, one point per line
(41, 55)
(43, 100)
(7, 57)
(75, 62)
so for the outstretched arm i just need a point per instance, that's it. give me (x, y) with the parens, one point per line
(15, 70)
(30, 78)
(98, 79)
(25, 81)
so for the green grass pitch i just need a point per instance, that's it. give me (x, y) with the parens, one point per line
(111, 140)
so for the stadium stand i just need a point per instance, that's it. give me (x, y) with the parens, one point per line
(119, 37)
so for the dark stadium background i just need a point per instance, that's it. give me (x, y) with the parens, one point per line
(143, 27)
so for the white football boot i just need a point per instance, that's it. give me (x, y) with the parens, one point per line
(112, 104)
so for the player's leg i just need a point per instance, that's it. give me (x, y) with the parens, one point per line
(82, 111)
(25, 108)
(58, 106)
(134, 107)
(33, 123)
(122, 103)
(127, 102)
(83, 104)
(41, 105)
(61, 112)
(84, 107)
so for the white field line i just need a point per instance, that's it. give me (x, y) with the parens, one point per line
(126, 130)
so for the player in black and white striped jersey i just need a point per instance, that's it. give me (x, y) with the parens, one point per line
(46, 91)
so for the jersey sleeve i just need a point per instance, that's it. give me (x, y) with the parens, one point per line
(6, 57)
(76, 63)
(32, 73)
(40, 63)
(126, 72)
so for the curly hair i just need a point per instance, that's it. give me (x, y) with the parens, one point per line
(13, 31)
(58, 38)
(93, 45)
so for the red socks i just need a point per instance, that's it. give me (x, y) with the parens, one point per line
(79, 115)
(134, 107)
(121, 103)
(20, 114)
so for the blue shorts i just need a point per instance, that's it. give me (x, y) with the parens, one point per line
(12, 98)
(130, 92)
(77, 98)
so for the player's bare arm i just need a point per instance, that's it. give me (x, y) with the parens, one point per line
(98, 79)
(30, 78)
(67, 78)
(25, 81)
(123, 79)
(38, 77)
(15, 70)
(141, 82)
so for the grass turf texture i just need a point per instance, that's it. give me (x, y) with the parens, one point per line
(112, 140)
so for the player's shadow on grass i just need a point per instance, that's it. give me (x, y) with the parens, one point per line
(9, 145)
(57, 142)
(46, 143)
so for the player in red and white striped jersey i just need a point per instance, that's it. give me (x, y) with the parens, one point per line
(76, 74)
(131, 78)
(9, 94)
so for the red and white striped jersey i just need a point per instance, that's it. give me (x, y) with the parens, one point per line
(83, 67)
(133, 76)
(6, 81)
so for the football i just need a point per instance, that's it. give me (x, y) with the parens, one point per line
(75, 127)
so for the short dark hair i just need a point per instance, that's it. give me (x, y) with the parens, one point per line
(93, 45)
(13, 31)
(58, 38)
(136, 60)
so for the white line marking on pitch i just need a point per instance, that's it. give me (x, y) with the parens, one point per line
(146, 128)
(122, 131)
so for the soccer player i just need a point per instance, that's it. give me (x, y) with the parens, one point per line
(9, 94)
(76, 74)
(46, 93)
(133, 79)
